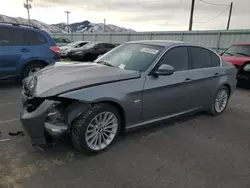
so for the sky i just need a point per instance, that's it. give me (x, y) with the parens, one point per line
(140, 15)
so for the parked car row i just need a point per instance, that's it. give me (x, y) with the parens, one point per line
(85, 50)
(61, 41)
(25, 50)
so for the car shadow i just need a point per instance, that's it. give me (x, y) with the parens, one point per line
(8, 84)
(62, 147)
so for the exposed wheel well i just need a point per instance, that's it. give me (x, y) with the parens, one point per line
(33, 62)
(121, 111)
(228, 87)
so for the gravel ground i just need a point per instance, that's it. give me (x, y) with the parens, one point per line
(196, 151)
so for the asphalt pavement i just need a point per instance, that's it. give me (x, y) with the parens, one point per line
(196, 151)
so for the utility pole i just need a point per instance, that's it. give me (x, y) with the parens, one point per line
(67, 12)
(27, 5)
(230, 14)
(191, 16)
(104, 22)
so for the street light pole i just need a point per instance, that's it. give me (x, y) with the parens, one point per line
(27, 5)
(67, 12)
(230, 14)
(191, 16)
(104, 22)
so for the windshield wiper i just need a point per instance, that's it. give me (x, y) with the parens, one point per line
(243, 54)
(228, 53)
(105, 63)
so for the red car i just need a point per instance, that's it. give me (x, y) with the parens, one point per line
(239, 56)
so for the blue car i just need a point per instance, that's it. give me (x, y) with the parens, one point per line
(25, 50)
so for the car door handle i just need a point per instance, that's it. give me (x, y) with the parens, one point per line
(216, 74)
(188, 80)
(24, 50)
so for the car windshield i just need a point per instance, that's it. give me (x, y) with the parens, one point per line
(89, 45)
(73, 44)
(238, 51)
(136, 57)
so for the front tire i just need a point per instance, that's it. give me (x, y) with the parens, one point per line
(220, 102)
(96, 129)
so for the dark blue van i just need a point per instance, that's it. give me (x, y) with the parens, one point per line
(25, 50)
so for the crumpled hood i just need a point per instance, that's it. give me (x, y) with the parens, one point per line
(60, 78)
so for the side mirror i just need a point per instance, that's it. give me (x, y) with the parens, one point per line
(165, 70)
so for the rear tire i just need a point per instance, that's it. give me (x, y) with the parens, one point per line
(220, 101)
(90, 133)
(32, 68)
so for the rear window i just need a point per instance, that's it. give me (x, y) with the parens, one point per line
(11, 37)
(35, 38)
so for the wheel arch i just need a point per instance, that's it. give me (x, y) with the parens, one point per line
(76, 108)
(121, 112)
(31, 62)
(228, 87)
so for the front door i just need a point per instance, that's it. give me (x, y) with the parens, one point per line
(169, 95)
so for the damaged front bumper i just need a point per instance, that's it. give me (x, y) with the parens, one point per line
(36, 123)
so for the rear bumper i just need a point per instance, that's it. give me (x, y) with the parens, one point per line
(35, 125)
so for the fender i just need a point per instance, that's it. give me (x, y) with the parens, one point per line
(127, 94)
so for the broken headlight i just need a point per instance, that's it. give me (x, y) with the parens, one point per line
(54, 112)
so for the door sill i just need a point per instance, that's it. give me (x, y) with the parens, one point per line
(155, 120)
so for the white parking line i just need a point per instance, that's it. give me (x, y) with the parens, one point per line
(9, 103)
(8, 121)
(235, 106)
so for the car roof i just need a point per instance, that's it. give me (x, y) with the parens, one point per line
(17, 26)
(243, 44)
(165, 43)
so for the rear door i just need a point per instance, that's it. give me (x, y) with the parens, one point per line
(168, 95)
(12, 45)
(38, 47)
(205, 75)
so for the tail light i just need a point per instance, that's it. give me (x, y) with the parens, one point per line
(55, 49)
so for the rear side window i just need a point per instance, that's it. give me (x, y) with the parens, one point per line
(203, 58)
(11, 37)
(176, 57)
(35, 38)
(82, 44)
(215, 60)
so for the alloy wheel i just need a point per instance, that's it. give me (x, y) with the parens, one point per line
(101, 130)
(221, 101)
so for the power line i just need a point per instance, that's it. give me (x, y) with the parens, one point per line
(215, 4)
(215, 16)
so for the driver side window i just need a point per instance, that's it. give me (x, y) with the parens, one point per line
(177, 57)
